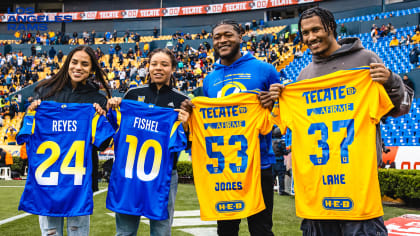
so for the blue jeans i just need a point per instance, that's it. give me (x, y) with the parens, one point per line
(127, 225)
(76, 225)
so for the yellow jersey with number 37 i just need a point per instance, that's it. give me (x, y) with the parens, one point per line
(226, 155)
(333, 122)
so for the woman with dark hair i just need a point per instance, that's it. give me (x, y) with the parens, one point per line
(159, 91)
(78, 81)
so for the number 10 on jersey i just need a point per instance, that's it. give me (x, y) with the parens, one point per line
(141, 160)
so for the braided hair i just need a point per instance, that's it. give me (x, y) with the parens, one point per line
(327, 19)
(233, 23)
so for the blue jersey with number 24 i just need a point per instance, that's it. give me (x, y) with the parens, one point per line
(59, 139)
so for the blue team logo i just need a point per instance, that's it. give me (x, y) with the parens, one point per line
(231, 88)
(337, 203)
(230, 206)
(63, 106)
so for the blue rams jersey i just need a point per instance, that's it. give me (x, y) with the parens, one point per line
(141, 175)
(59, 139)
(246, 73)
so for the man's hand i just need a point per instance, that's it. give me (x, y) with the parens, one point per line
(187, 106)
(379, 72)
(265, 99)
(275, 91)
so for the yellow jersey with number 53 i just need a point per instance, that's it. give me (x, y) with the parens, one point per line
(333, 122)
(226, 155)
(59, 139)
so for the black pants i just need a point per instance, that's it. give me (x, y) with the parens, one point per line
(280, 174)
(372, 227)
(259, 224)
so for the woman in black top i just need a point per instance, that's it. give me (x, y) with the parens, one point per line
(160, 91)
(77, 81)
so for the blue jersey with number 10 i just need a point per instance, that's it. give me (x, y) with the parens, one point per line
(59, 139)
(141, 174)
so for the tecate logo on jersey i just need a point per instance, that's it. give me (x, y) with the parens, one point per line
(230, 206)
(328, 94)
(222, 112)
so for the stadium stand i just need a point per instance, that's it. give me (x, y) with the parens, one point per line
(199, 44)
(382, 15)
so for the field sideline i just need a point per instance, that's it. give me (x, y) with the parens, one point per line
(285, 220)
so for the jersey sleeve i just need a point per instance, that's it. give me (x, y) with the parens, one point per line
(27, 128)
(191, 120)
(114, 117)
(178, 140)
(101, 130)
(280, 116)
(383, 104)
(266, 124)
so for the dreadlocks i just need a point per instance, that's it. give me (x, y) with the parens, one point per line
(326, 16)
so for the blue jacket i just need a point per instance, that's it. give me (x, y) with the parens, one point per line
(246, 73)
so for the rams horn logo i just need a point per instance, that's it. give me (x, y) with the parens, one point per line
(231, 88)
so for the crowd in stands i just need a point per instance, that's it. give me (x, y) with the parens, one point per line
(127, 69)
(390, 31)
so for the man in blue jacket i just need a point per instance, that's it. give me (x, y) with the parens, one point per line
(235, 72)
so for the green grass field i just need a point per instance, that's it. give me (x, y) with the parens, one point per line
(284, 218)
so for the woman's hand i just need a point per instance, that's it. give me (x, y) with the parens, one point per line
(34, 105)
(183, 116)
(113, 102)
(99, 109)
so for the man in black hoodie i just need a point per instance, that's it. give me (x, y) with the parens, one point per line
(317, 30)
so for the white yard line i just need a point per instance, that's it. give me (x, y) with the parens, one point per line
(2, 222)
(11, 219)
(100, 191)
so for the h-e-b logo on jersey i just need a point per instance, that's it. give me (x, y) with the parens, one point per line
(230, 206)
